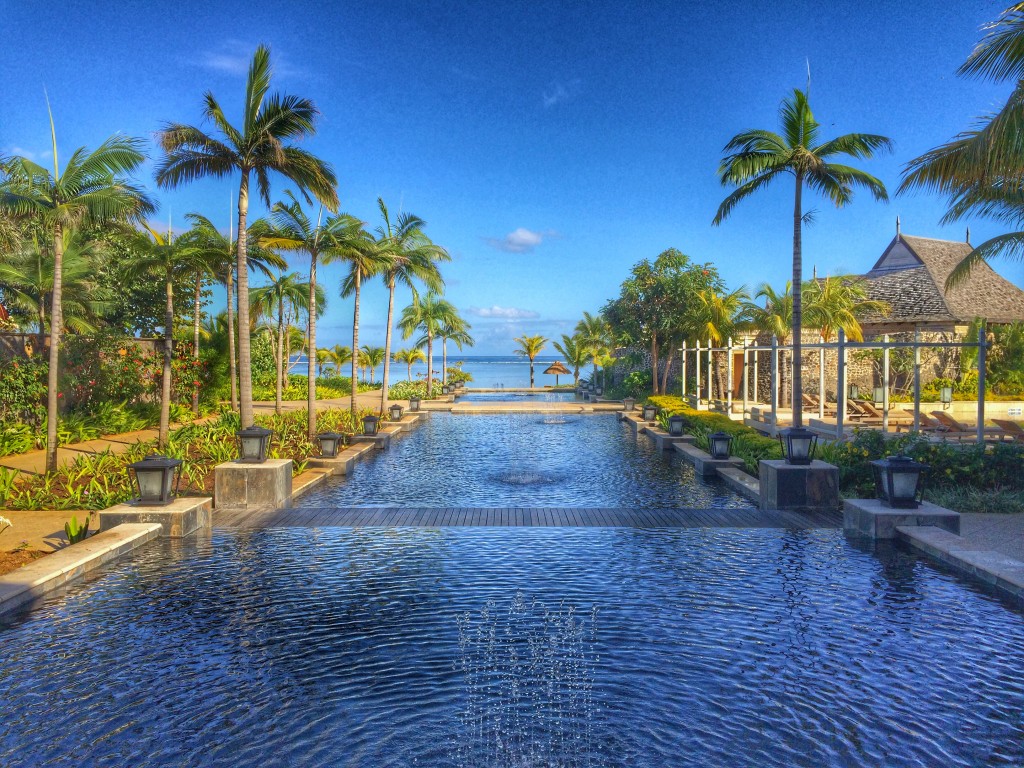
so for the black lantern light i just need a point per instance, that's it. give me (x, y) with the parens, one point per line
(414, 403)
(628, 403)
(330, 442)
(445, 389)
(946, 396)
(650, 412)
(720, 445)
(899, 481)
(370, 425)
(395, 412)
(798, 445)
(156, 479)
(675, 426)
(854, 392)
(253, 444)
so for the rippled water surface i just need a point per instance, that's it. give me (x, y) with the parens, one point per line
(518, 397)
(523, 460)
(522, 647)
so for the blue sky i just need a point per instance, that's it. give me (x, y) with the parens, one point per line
(549, 146)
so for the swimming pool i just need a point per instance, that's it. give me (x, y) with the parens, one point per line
(517, 397)
(522, 460)
(515, 647)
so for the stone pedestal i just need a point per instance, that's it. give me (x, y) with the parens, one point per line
(702, 461)
(810, 487)
(869, 517)
(181, 517)
(381, 440)
(339, 465)
(238, 485)
(663, 441)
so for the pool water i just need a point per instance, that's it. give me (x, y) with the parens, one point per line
(518, 397)
(515, 647)
(523, 460)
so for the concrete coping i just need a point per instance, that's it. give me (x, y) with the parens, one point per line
(54, 571)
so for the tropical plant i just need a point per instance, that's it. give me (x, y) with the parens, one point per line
(340, 354)
(756, 158)
(409, 257)
(410, 357)
(76, 531)
(838, 302)
(775, 317)
(92, 190)
(426, 315)
(530, 347)
(323, 357)
(453, 328)
(720, 317)
(372, 357)
(365, 259)
(260, 145)
(285, 295)
(575, 353)
(595, 336)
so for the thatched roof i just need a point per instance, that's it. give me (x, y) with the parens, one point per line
(911, 277)
(557, 368)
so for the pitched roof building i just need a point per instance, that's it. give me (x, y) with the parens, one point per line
(911, 276)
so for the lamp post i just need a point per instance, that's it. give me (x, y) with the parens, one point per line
(370, 425)
(946, 396)
(798, 445)
(675, 426)
(899, 481)
(253, 444)
(329, 442)
(395, 412)
(156, 479)
(720, 445)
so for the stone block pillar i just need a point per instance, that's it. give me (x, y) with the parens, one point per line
(810, 487)
(239, 485)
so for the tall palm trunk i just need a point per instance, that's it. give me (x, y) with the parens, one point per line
(244, 346)
(311, 351)
(355, 339)
(232, 369)
(56, 322)
(444, 362)
(387, 345)
(798, 387)
(164, 432)
(196, 315)
(430, 359)
(408, 371)
(280, 356)
(531, 373)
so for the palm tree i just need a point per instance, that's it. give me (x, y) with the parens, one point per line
(323, 357)
(409, 357)
(595, 335)
(409, 256)
(92, 190)
(720, 316)
(292, 230)
(455, 329)
(775, 318)
(258, 147)
(756, 158)
(839, 302)
(427, 314)
(169, 259)
(981, 170)
(575, 352)
(340, 354)
(285, 295)
(374, 356)
(530, 347)
(365, 258)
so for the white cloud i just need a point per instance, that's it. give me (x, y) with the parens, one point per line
(28, 154)
(520, 240)
(503, 313)
(558, 91)
(233, 57)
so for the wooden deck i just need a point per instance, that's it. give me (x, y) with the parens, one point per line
(396, 517)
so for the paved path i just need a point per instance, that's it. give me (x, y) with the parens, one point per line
(394, 517)
(999, 532)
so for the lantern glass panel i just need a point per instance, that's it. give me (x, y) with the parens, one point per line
(370, 426)
(946, 395)
(251, 447)
(720, 444)
(675, 426)
(396, 412)
(879, 395)
(414, 403)
(904, 485)
(151, 483)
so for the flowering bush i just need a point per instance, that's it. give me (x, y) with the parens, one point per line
(23, 390)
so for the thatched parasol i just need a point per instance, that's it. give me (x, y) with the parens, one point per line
(558, 369)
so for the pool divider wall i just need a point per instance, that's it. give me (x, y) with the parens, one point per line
(871, 518)
(241, 485)
(183, 516)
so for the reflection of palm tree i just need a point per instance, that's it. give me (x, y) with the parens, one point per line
(409, 357)
(575, 353)
(91, 190)
(756, 158)
(530, 347)
(410, 256)
(258, 147)
(426, 315)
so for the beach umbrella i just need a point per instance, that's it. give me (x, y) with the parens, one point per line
(558, 369)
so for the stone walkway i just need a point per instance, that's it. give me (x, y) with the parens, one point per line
(998, 532)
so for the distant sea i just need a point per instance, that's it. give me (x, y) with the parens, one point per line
(486, 370)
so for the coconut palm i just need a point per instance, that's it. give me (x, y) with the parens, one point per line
(455, 329)
(575, 352)
(410, 257)
(323, 357)
(775, 317)
(756, 158)
(286, 295)
(720, 316)
(530, 347)
(92, 190)
(218, 250)
(374, 356)
(169, 259)
(409, 357)
(839, 302)
(260, 145)
(427, 314)
(595, 335)
(340, 354)
(981, 170)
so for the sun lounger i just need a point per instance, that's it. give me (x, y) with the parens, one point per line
(1012, 429)
(959, 429)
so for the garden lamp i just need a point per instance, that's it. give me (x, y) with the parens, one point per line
(330, 442)
(798, 445)
(650, 412)
(878, 394)
(414, 403)
(156, 479)
(395, 412)
(675, 426)
(370, 425)
(628, 403)
(854, 392)
(720, 444)
(899, 481)
(253, 444)
(946, 396)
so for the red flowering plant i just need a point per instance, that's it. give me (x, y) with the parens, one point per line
(106, 368)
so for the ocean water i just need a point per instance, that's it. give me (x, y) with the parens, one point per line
(490, 371)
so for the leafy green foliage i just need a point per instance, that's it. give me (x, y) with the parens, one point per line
(76, 531)
(404, 390)
(23, 390)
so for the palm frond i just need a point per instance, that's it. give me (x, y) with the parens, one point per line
(1009, 245)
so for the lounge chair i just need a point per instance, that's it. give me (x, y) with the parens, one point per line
(1012, 429)
(958, 428)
